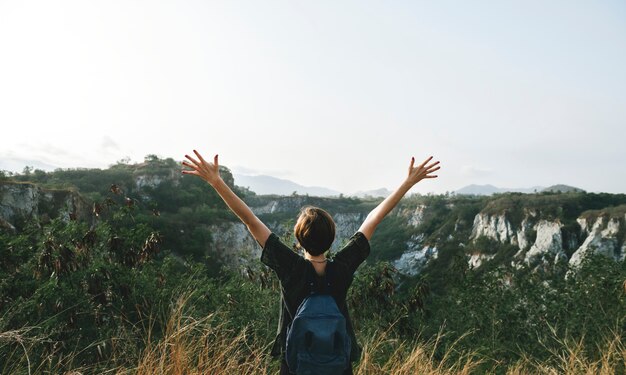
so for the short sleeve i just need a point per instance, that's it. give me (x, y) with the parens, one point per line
(354, 253)
(277, 256)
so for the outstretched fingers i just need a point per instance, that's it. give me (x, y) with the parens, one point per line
(194, 168)
(199, 167)
(425, 169)
(200, 157)
(425, 162)
(202, 161)
(431, 166)
(430, 169)
(194, 161)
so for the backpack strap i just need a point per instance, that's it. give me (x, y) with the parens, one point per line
(328, 277)
(312, 280)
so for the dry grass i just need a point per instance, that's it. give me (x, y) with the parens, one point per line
(201, 347)
(204, 346)
(574, 359)
(192, 346)
(412, 358)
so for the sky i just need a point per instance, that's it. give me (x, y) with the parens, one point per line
(335, 93)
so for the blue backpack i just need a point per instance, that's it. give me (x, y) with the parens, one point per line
(317, 339)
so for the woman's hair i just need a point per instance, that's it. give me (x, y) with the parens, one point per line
(315, 230)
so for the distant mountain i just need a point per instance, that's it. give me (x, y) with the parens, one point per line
(490, 189)
(17, 165)
(264, 185)
(563, 189)
(378, 193)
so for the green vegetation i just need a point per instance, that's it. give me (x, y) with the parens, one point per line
(70, 288)
(134, 290)
(100, 297)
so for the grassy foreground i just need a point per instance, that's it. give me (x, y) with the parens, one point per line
(204, 346)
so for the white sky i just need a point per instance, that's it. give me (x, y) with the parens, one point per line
(329, 93)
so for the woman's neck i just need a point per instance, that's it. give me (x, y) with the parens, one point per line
(318, 261)
(315, 258)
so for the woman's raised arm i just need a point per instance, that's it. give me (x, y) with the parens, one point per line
(211, 174)
(416, 174)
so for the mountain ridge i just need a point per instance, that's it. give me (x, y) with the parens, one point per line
(269, 185)
(489, 189)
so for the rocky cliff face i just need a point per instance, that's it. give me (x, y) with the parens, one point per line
(233, 244)
(239, 247)
(23, 202)
(236, 247)
(496, 227)
(602, 237)
(144, 179)
(416, 257)
(414, 216)
(416, 251)
(541, 242)
(422, 229)
(548, 245)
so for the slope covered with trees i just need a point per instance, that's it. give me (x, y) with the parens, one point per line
(131, 284)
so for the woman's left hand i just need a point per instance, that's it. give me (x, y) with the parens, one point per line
(210, 172)
(422, 171)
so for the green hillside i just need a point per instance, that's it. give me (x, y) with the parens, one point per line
(96, 292)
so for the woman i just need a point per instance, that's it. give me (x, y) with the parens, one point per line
(315, 232)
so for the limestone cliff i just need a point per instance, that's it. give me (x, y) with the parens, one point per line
(496, 227)
(548, 245)
(602, 237)
(539, 231)
(540, 241)
(21, 203)
(235, 246)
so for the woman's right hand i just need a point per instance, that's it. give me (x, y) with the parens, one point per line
(210, 172)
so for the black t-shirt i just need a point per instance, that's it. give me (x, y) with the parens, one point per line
(292, 270)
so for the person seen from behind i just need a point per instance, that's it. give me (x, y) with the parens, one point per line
(314, 273)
